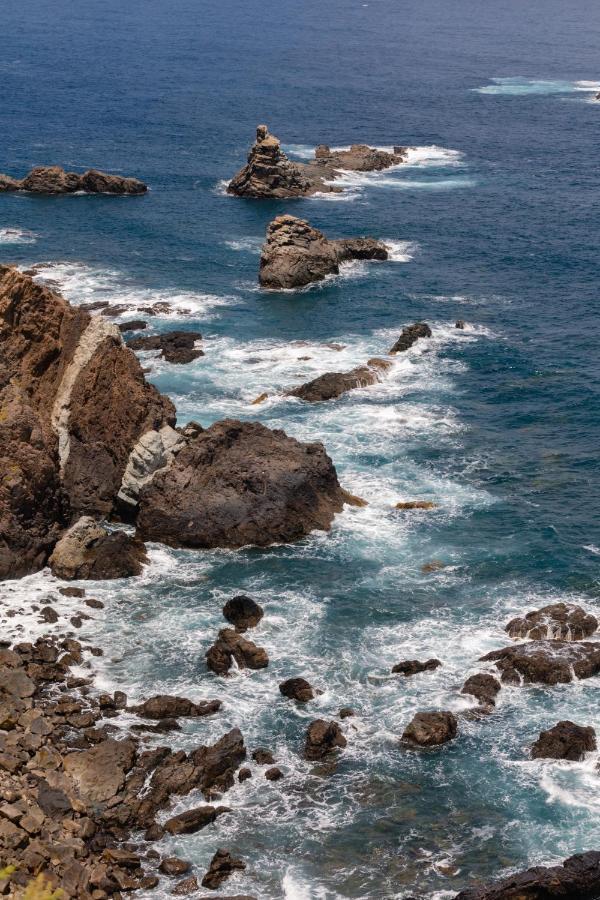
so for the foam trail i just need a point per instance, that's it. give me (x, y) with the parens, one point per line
(518, 86)
(17, 236)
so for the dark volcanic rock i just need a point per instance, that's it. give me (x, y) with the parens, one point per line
(88, 550)
(222, 865)
(410, 335)
(274, 774)
(243, 612)
(296, 254)
(297, 689)
(482, 686)
(322, 738)
(133, 325)
(270, 174)
(334, 384)
(577, 879)
(414, 666)
(263, 757)
(194, 819)
(565, 740)
(430, 729)
(164, 706)
(559, 621)
(547, 662)
(174, 346)
(231, 647)
(54, 180)
(239, 483)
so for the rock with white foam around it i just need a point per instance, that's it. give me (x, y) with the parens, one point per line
(546, 662)
(89, 550)
(558, 621)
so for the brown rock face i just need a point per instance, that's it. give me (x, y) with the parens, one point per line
(482, 686)
(334, 384)
(270, 174)
(322, 738)
(359, 158)
(415, 667)
(410, 335)
(175, 346)
(243, 612)
(296, 254)
(194, 819)
(297, 689)
(231, 647)
(546, 662)
(239, 483)
(222, 865)
(164, 706)
(565, 740)
(577, 879)
(88, 550)
(430, 729)
(559, 621)
(98, 774)
(54, 180)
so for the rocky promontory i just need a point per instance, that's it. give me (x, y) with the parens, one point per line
(54, 180)
(296, 254)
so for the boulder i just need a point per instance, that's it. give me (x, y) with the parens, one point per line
(546, 662)
(296, 254)
(297, 689)
(193, 820)
(565, 740)
(54, 180)
(559, 621)
(410, 335)
(482, 686)
(243, 612)
(415, 667)
(334, 384)
(322, 738)
(578, 878)
(164, 706)
(430, 729)
(173, 866)
(99, 773)
(175, 346)
(229, 648)
(263, 757)
(89, 550)
(222, 865)
(274, 774)
(218, 762)
(239, 483)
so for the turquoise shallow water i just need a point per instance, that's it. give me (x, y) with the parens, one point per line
(495, 221)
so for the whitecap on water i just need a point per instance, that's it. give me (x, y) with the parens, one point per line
(17, 236)
(518, 86)
(246, 244)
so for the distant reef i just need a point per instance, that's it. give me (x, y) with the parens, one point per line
(54, 180)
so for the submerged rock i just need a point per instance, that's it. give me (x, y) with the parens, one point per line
(559, 621)
(88, 550)
(296, 254)
(578, 878)
(565, 740)
(175, 346)
(229, 648)
(334, 384)
(410, 335)
(297, 689)
(243, 612)
(54, 180)
(222, 865)
(430, 729)
(546, 662)
(237, 484)
(414, 667)
(323, 738)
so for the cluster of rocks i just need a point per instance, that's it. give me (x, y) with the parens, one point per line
(173, 346)
(296, 254)
(269, 174)
(54, 180)
(84, 434)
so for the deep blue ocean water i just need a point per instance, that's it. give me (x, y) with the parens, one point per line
(495, 221)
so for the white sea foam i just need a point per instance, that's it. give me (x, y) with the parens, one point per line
(401, 251)
(519, 86)
(17, 236)
(246, 244)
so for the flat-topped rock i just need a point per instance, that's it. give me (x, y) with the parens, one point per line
(359, 158)
(546, 662)
(54, 180)
(565, 740)
(296, 254)
(165, 706)
(331, 385)
(558, 621)
(430, 729)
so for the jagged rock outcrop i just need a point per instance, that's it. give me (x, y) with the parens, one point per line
(484, 687)
(175, 346)
(414, 667)
(296, 254)
(231, 649)
(165, 706)
(565, 740)
(546, 662)
(559, 621)
(222, 865)
(578, 878)
(89, 550)
(411, 334)
(54, 180)
(430, 729)
(239, 483)
(358, 158)
(323, 738)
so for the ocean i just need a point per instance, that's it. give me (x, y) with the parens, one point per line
(494, 220)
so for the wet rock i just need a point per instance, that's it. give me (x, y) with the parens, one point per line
(173, 866)
(237, 484)
(133, 325)
(559, 621)
(416, 504)
(175, 346)
(71, 592)
(346, 712)
(273, 774)
(54, 180)
(193, 820)
(297, 689)
(430, 729)
(244, 774)
(578, 878)
(565, 740)
(359, 158)
(482, 686)
(186, 887)
(322, 738)
(49, 615)
(243, 612)
(333, 384)
(546, 662)
(296, 254)
(231, 647)
(411, 334)
(263, 757)
(414, 667)
(460, 324)
(88, 550)
(165, 706)
(93, 603)
(222, 865)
